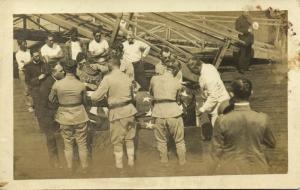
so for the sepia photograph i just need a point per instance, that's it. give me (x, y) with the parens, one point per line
(156, 94)
(149, 94)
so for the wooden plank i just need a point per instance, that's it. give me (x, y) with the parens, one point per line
(55, 19)
(116, 30)
(184, 53)
(219, 57)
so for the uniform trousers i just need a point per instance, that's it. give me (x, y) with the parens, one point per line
(78, 133)
(122, 130)
(169, 126)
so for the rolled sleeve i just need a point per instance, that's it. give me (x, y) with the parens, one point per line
(146, 47)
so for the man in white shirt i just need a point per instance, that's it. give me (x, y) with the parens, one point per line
(134, 53)
(74, 45)
(98, 51)
(23, 57)
(51, 51)
(212, 87)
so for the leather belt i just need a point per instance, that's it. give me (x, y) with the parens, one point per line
(70, 105)
(163, 101)
(118, 105)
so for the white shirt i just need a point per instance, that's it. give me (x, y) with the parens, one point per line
(133, 53)
(127, 68)
(212, 88)
(23, 57)
(50, 52)
(75, 48)
(98, 48)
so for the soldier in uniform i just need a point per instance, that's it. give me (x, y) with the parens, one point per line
(167, 113)
(240, 135)
(70, 94)
(117, 86)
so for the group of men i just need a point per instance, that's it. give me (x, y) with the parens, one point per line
(53, 79)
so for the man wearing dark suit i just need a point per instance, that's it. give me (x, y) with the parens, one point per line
(239, 135)
(35, 72)
(47, 112)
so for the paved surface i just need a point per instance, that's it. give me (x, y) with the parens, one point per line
(31, 159)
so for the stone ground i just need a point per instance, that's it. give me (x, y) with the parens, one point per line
(31, 158)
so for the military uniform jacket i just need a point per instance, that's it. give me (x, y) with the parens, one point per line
(69, 91)
(117, 86)
(165, 87)
(239, 140)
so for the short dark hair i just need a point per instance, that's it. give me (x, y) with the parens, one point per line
(97, 30)
(70, 66)
(80, 56)
(165, 49)
(35, 50)
(241, 88)
(117, 50)
(20, 42)
(194, 65)
(73, 30)
(50, 35)
(115, 60)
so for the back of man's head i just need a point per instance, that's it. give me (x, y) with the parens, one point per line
(114, 62)
(241, 88)
(70, 66)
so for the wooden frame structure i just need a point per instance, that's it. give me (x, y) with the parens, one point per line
(185, 34)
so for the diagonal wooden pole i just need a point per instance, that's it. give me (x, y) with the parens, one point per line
(116, 29)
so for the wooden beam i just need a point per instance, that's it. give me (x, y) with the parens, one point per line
(219, 57)
(155, 29)
(24, 22)
(185, 37)
(36, 35)
(210, 30)
(184, 29)
(58, 20)
(116, 29)
(129, 18)
(39, 25)
(184, 53)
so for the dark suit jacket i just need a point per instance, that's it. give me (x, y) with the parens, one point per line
(46, 107)
(239, 139)
(32, 72)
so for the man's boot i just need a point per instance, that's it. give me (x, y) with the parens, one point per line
(119, 159)
(130, 155)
